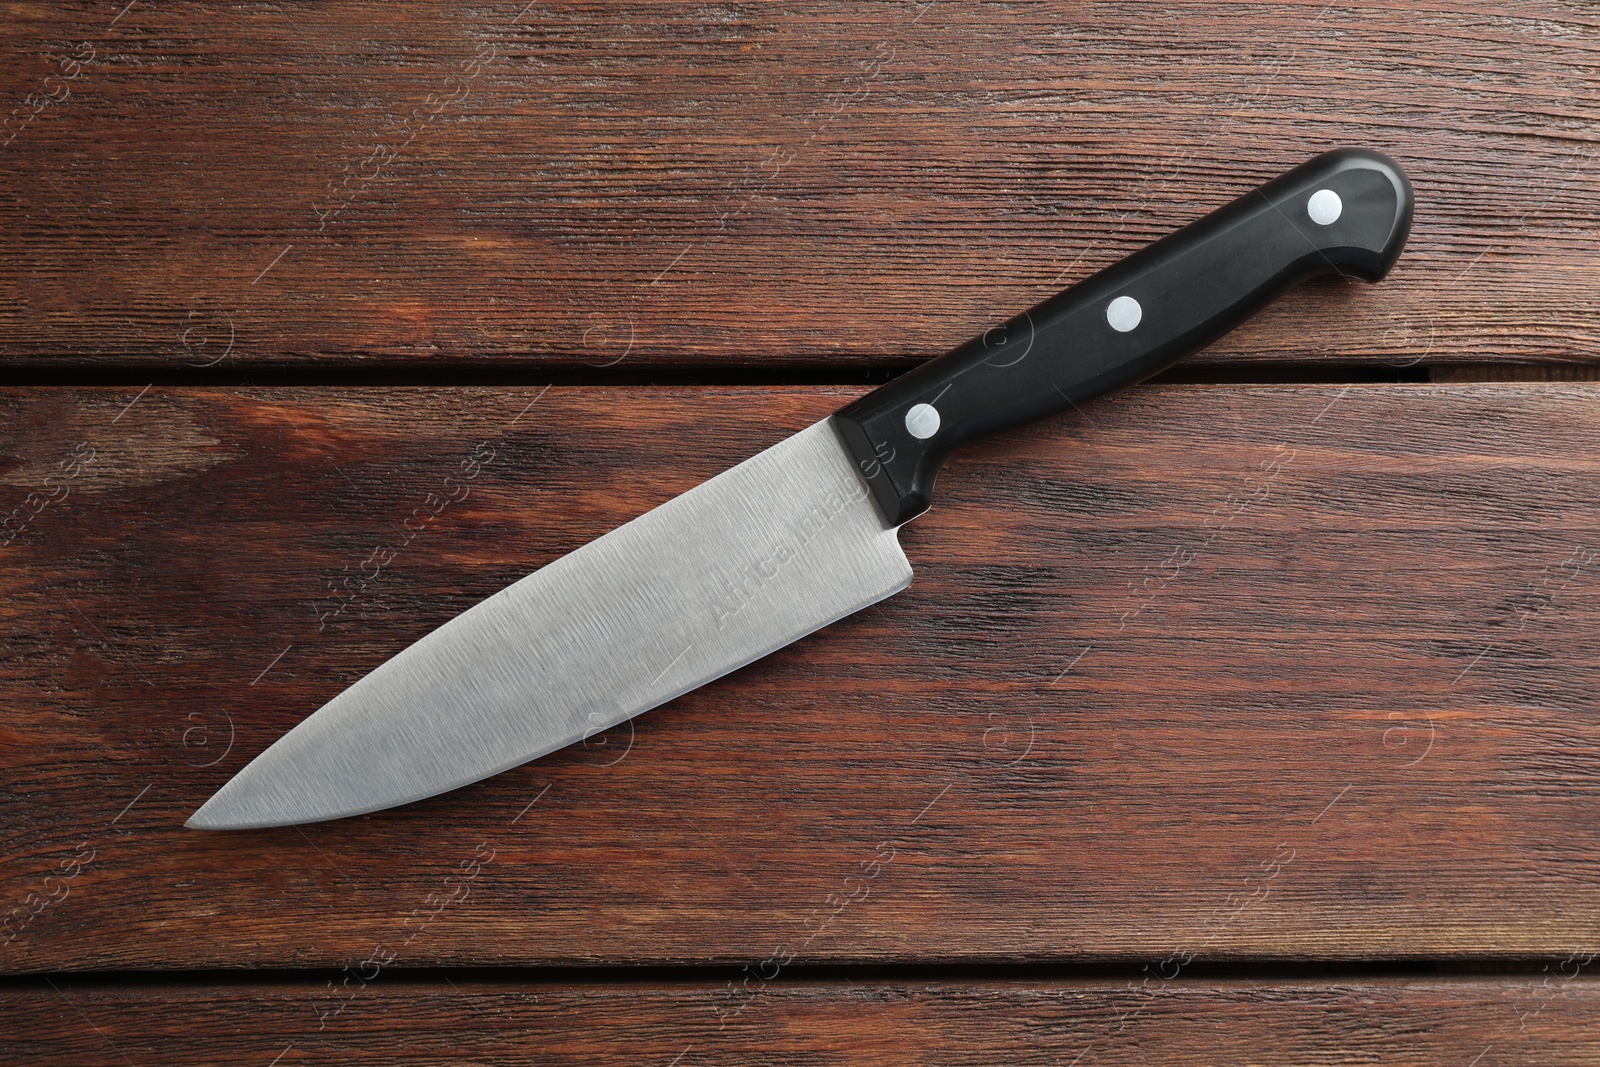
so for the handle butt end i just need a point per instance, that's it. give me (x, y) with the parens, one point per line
(1353, 204)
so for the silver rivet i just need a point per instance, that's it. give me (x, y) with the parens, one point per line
(1124, 313)
(1324, 207)
(922, 421)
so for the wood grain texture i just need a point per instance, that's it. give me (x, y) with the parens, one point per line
(597, 184)
(1205, 673)
(1532, 1020)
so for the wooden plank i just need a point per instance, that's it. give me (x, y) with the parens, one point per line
(1209, 672)
(1544, 1019)
(601, 184)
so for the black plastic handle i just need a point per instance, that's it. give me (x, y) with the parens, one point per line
(1346, 211)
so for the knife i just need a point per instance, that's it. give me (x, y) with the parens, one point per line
(802, 534)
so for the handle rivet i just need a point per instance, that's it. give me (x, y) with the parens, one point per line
(1124, 313)
(1324, 207)
(922, 421)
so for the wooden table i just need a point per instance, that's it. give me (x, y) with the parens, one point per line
(1248, 716)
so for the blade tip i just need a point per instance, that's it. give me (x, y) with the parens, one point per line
(211, 816)
(201, 821)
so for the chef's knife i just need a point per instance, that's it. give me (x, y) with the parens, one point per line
(802, 534)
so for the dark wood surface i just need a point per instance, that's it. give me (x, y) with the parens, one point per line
(1216, 672)
(1247, 707)
(593, 185)
(1536, 1019)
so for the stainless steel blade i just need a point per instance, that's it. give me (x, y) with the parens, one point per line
(759, 556)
